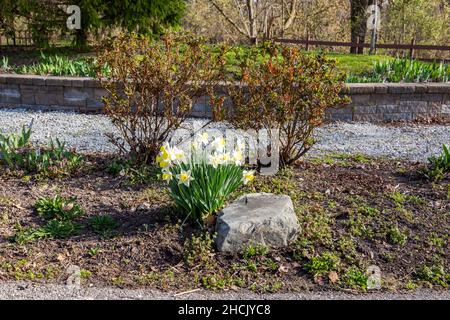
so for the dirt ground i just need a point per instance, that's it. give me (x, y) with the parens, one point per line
(354, 212)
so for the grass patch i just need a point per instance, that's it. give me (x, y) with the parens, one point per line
(357, 64)
(58, 208)
(104, 225)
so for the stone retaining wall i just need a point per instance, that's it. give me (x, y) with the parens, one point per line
(394, 101)
(370, 102)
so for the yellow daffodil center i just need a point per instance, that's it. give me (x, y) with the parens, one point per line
(167, 176)
(249, 177)
(184, 177)
(164, 164)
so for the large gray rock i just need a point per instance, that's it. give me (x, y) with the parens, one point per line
(257, 218)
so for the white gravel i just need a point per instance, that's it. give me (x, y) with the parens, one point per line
(86, 133)
(33, 291)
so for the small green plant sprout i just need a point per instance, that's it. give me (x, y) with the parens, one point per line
(61, 229)
(355, 278)
(117, 167)
(85, 274)
(54, 160)
(56, 229)
(401, 199)
(200, 183)
(4, 64)
(434, 274)
(58, 208)
(26, 235)
(438, 166)
(368, 210)
(410, 285)
(10, 145)
(252, 251)
(398, 198)
(104, 225)
(396, 236)
(323, 263)
(94, 251)
(214, 282)
(197, 249)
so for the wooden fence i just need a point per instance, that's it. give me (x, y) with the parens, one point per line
(410, 47)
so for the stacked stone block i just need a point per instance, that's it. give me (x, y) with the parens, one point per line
(370, 102)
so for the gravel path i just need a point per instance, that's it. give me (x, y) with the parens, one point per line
(30, 291)
(87, 134)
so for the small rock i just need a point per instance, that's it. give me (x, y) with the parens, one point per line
(143, 207)
(258, 219)
(333, 276)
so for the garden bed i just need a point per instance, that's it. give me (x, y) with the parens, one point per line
(354, 212)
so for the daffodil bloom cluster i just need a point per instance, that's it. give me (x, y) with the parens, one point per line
(220, 157)
(201, 178)
(169, 155)
(172, 156)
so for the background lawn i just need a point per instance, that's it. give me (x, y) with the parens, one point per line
(65, 61)
(357, 64)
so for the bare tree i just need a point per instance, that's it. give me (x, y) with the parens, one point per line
(257, 19)
(358, 23)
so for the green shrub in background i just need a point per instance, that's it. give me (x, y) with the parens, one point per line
(359, 68)
(288, 90)
(153, 86)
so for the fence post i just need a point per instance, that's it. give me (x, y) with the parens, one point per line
(307, 41)
(357, 45)
(411, 51)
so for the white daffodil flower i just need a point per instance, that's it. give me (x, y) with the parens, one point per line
(167, 175)
(185, 177)
(219, 144)
(248, 176)
(224, 158)
(214, 160)
(240, 145)
(204, 138)
(177, 154)
(237, 157)
(195, 145)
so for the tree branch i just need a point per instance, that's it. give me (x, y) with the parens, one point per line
(231, 21)
(292, 15)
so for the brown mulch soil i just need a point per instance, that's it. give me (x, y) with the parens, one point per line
(354, 209)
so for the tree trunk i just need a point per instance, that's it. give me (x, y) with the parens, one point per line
(252, 21)
(81, 38)
(358, 23)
